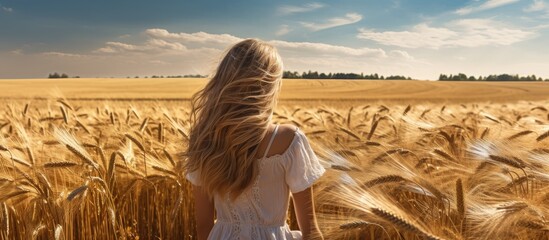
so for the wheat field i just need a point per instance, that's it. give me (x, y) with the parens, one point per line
(292, 89)
(95, 163)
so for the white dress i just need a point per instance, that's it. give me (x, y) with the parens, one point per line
(261, 211)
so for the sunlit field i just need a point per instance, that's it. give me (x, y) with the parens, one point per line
(98, 158)
(371, 90)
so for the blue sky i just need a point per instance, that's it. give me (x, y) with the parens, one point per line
(172, 37)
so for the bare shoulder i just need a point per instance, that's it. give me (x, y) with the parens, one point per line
(286, 131)
(283, 138)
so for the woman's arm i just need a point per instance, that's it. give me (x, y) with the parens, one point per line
(204, 213)
(305, 213)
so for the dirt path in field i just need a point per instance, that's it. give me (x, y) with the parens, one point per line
(344, 90)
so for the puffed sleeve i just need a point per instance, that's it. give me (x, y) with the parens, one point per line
(193, 177)
(302, 166)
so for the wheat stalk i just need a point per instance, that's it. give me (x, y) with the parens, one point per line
(164, 170)
(506, 161)
(460, 199)
(354, 225)
(543, 136)
(349, 117)
(350, 133)
(60, 164)
(25, 110)
(444, 154)
(539, 108)
(160, 132)
(112, 118)
(383, 180)
(372, 129)
(169, 156)
(64, 113)
(10, 195)
(65, 103)
(401, 223)
(78, 123)
(424, 112)
(82, 155)
(520, 134)
(532, 225)
(77, 192)
(135, 141)
(408, 108)
(485, 133)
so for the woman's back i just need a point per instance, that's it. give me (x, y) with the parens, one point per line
(230, 124)
(260, 211)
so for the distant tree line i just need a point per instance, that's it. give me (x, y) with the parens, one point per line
(500, 77)
(64, 75)
(181, 76)
(338, 75)
(60, 75)
(316, 75)
(175, 76)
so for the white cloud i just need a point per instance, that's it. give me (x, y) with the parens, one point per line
(114, 47)
(459, 33)
(349, 18)
(159, 62)
(401, 54)
(199, 37)
(106, 49)
(166, 45)
(17, 52)
(541, 27)
(283, 30)
(6, 9)
(124, 46)
(421, 35)
(62, 54)
(184, 39)
(288, 9)
(536, 6)
(395, 3)
(178, 53)
(489, 4)
(150, 46)
(322, 49)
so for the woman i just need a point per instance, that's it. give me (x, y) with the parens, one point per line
(242, 165)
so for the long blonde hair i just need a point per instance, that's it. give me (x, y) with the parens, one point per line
(230, 117)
